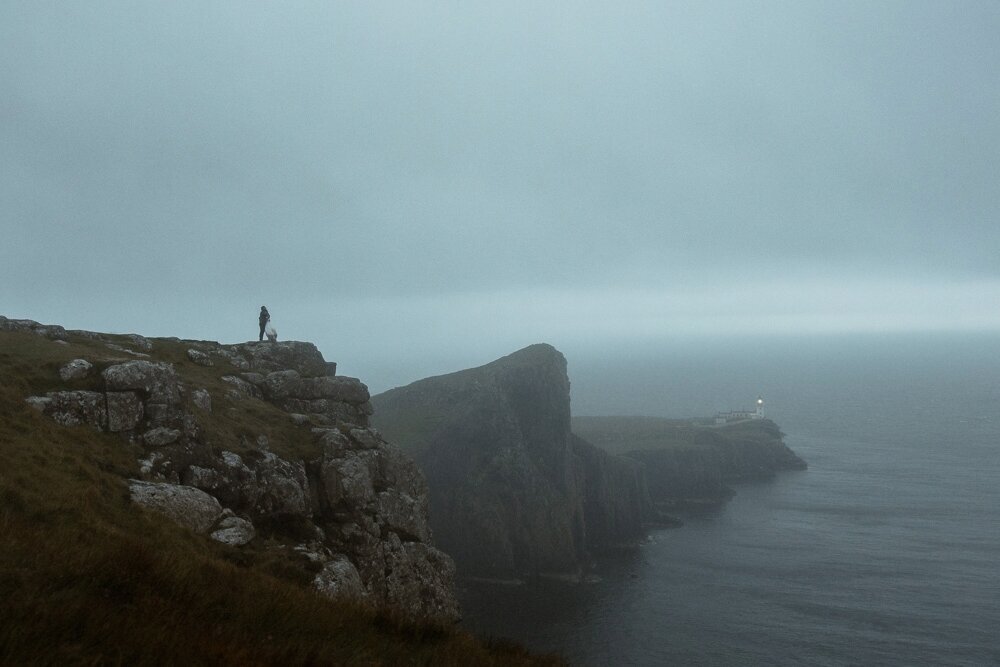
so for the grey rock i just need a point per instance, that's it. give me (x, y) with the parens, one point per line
(398, 471)
(125, 410)
(413, 577)
(280, 385)
(334, 442)
(206, 479)
(234, 531)
(202, 399)
(268, 357)
(200, 358)
(284, 487)
(299, 419)
(31, 326)
(256, 379)
(339, 580)
(140, 342)
(157, 381)
(338, 388)
(75, 370)
(160, 436)
(229, 479)
(186, 505)
(329, 411)
(403, 514)
(149, 465)
(367, 438)
(234, 358)
(72, 408)
(164, 414)
(242, 387)
(349, 479)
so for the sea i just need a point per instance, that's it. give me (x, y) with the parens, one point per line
(886, 551)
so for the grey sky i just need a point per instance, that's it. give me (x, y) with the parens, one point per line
(401, 180)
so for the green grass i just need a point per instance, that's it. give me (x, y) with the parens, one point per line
(620, 435)
(86, 577)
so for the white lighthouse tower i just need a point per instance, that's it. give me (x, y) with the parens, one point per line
(759, 414)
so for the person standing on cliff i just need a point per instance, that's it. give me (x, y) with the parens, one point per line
(264, 318)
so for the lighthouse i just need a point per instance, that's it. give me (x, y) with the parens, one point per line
(759, 414)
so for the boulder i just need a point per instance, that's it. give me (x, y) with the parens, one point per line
(164, 414)
(415, 578)
(366, 438)
(256, 379)
(72, 408)
(339, 580)
(243, 389)
(200, 358)
(124, 410)
(160, 436)
(229, 479)
(397, 470)
(334, 442)
(202, 399)
(157, 381)
(140, 342)
(404, 515)
(284, 487)
(280, 385)
(75, 370)
(234, 358)
(186, 505)
(349, 479)
(233, 531)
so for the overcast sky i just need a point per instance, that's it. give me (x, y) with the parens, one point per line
(450, 181)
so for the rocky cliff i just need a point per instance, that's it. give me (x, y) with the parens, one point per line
(260, 446)
(512, 490)
(691, 463)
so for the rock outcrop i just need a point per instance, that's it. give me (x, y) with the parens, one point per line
(355, 506)
(511, 490)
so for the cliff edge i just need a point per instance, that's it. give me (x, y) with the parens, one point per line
(259, 446)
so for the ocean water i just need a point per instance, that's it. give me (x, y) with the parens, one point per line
(885, 552)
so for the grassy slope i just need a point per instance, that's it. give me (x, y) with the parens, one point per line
(88, 578)
(620, 435)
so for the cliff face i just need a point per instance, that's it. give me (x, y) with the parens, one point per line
(615, 495)
(691, 463)
(259, 446)
(512, 491)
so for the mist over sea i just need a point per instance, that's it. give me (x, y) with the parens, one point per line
(884, 552)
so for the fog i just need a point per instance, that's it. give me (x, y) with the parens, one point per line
(419, 187)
